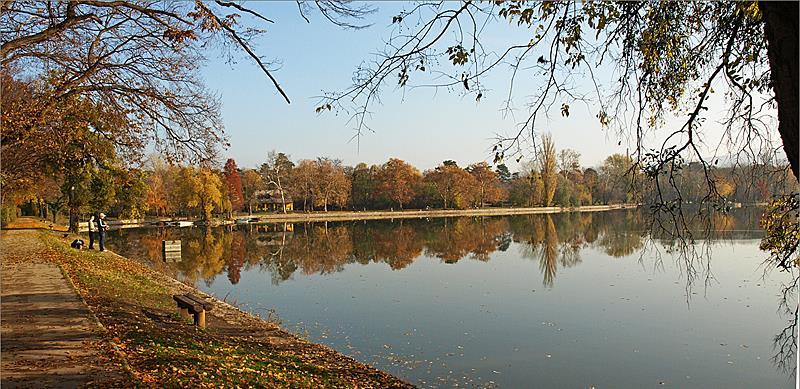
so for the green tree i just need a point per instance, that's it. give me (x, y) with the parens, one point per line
(503, 174)
(364, 187)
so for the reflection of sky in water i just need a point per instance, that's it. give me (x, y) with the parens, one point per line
(606, 321)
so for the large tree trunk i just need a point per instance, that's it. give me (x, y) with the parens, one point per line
(73, 219)
(780, 26)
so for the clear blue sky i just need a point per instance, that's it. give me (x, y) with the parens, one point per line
(422, 127)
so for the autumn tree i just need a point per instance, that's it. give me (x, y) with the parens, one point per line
(537, 189)
(453, 184)
(303, 182)
(667, 56)
(615, 183)
(200, 189)
(397, 181)
(590, 181)
(568, 162)
(277, 174)
(86, 47)
(131, 193)
(225, 205)
(252, 181)
(85, 159)
(158, 179)
(668, 60)
(488, 187)
(234, 184)
(547, 163)
(330, 184)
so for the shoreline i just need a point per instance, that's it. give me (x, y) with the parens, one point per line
(300, 217)
(132, 302)
(418, 214)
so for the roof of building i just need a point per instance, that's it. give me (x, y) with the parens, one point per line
(272, 196)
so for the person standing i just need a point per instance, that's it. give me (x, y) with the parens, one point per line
(92, 231)
(101, 230)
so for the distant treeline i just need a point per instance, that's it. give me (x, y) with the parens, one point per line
(555, 178)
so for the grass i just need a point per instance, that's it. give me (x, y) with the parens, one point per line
(162, 350)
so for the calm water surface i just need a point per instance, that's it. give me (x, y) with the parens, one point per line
(572, 300)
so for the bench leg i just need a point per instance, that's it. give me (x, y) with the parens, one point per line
(185, 314)
(200, 319)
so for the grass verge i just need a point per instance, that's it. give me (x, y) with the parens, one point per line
(135, 305)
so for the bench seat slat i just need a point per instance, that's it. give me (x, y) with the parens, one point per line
(196, 303)
(183, 301)
(206, 305)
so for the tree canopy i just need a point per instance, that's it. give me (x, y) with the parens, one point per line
(636, 64)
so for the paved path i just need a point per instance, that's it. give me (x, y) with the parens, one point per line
(48, 337)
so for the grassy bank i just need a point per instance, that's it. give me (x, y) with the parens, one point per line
(134, 304)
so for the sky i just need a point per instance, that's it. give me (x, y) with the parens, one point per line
(420, 126)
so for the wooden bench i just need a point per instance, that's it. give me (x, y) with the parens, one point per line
(194, 305)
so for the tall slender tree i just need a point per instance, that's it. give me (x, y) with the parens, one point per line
(234, 182)
(547, 163)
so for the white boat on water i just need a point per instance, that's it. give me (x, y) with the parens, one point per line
(185, 224)
(242, 221)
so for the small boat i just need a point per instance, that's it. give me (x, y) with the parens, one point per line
(242, 221)
(185, 224)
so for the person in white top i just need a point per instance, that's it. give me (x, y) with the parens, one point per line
(92, 231)
(101, 230)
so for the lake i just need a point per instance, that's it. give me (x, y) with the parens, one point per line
(567, 300)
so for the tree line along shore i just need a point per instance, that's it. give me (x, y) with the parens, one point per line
(308, 188)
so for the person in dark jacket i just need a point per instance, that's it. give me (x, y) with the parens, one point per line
(101, 231)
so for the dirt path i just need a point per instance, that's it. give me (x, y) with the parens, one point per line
(49, 336)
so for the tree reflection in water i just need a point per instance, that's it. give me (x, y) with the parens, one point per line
(320, 248)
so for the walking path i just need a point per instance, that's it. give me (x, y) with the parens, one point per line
(49, 336)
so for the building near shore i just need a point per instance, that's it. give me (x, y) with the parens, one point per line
(272, 201)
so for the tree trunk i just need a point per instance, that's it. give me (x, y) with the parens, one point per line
(780, 27)
(73, 219)
(283, 198)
